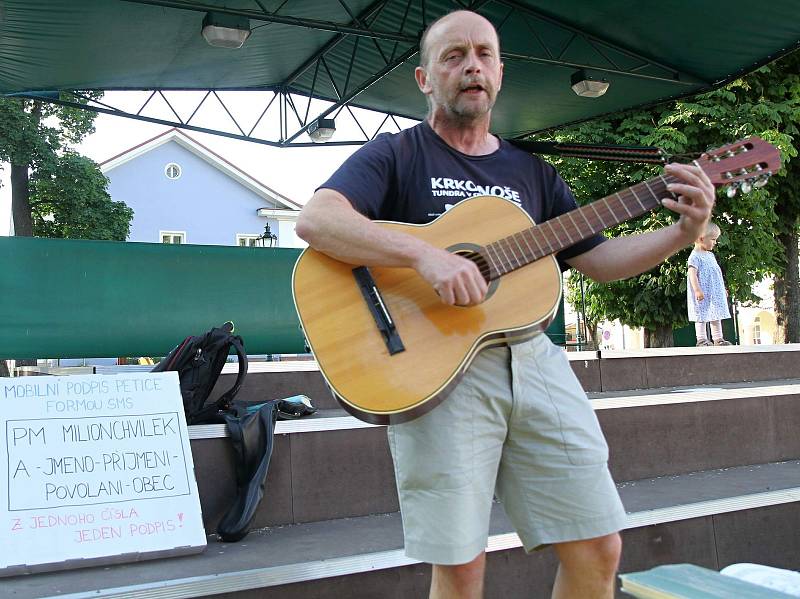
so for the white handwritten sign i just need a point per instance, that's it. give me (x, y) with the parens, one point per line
(96, 468)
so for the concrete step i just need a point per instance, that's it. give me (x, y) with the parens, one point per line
(665, 367)
(270, 380)
(332, 465)
(711, 518)
(598, 371)
(328, 526)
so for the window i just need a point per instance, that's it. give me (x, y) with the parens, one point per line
(175, 237)
(757, 330)
(172, 170)
(246, 240)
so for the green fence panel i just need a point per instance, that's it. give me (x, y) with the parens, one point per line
(556, 331)
(76, 299)
(685, 336)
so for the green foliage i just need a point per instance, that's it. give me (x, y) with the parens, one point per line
(68, 192)
(767, 104)
(32, 132)
(75, 123)
(70, 201)
(23, 139)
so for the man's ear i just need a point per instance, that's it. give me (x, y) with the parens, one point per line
(422, 80)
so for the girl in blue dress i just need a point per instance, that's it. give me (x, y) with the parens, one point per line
(706, 297)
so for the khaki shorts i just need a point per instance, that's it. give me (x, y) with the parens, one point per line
(518, 425)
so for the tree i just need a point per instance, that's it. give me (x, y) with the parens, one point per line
(787, 284)
(779, 84)
(767, 103)
(748, 249)
(70, 201)
(34, 136)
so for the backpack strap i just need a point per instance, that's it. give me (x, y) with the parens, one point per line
(224, 402)
(212, 412)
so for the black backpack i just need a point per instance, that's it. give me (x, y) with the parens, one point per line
(199, 360)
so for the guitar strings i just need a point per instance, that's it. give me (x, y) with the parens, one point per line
(503, 265)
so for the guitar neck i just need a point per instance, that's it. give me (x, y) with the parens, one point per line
(515, 251)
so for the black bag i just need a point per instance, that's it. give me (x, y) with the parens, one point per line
(251, 427)
(199, 361)
(251, 433)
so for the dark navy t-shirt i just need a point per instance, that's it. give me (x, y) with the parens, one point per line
(413, 176)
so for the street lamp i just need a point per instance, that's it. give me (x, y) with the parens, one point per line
(267, 238)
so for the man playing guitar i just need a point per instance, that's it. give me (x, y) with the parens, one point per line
(518, 423)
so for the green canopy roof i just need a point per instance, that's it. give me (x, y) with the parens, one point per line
(363, 52)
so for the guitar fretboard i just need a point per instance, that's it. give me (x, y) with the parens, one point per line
(515, 251)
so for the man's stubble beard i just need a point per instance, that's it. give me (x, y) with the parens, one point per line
(465, 115)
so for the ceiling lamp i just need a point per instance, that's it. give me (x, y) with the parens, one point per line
(321, 130)
(225, 31)
(587, 86)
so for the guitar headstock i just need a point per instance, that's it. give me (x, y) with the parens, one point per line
(741, 165)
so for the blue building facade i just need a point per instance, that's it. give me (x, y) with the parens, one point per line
(182, 192)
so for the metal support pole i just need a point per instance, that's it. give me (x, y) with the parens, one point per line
(583, 311)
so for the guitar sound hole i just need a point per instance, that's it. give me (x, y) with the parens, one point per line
(479, 260)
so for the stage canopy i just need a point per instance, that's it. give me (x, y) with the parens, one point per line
(362, 53)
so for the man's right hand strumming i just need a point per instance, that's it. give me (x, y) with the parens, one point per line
(456, 279)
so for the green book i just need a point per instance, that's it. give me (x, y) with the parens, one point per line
(687, 581)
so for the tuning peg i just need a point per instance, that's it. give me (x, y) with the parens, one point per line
(747, 185)
(731, 190)
(762, 180)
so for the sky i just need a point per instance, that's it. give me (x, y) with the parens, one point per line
(293, 172)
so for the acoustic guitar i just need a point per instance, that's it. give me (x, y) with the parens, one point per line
(391, 350)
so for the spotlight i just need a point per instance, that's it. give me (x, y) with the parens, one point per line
(587, 86)
(225, 31)
(321, 130)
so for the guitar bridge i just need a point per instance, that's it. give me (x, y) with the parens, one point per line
(378, 309)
